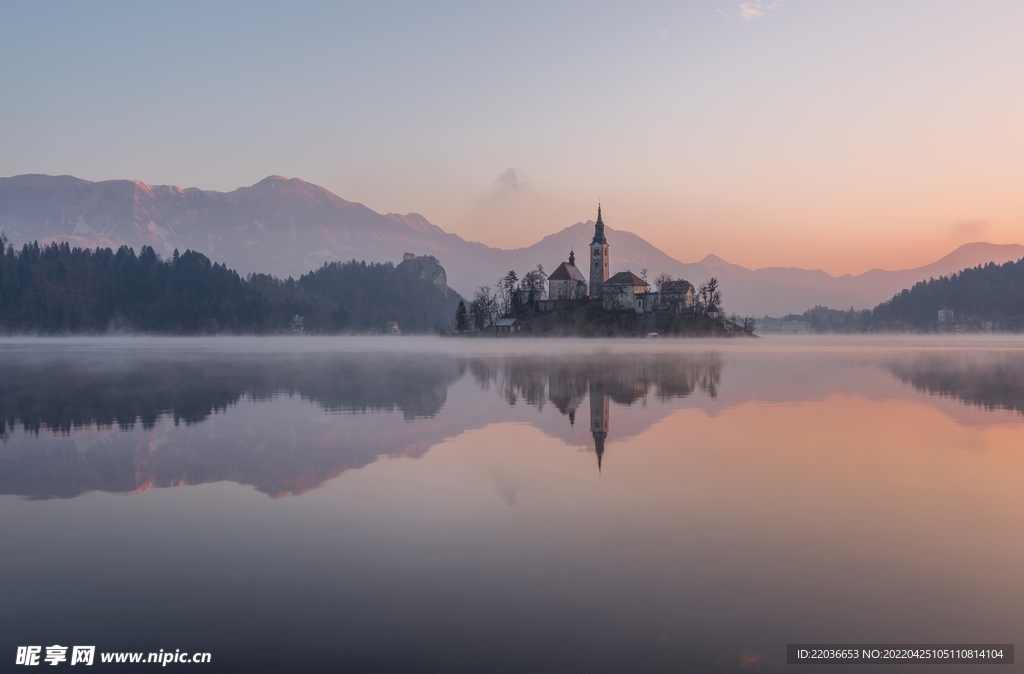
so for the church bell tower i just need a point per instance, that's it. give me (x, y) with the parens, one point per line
(598, 258)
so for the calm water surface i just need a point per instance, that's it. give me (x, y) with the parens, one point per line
(408, 505)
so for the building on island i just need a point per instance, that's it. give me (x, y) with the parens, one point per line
(567, 282)
(599, 263)
(625, 290)
(506, 325)
(391, 328)
(676, 296)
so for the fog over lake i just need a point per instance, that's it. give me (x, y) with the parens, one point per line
(485, 505)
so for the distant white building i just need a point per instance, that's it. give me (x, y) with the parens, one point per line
(945, 315)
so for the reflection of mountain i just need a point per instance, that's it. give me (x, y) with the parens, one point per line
(990, 381)
(280, 448)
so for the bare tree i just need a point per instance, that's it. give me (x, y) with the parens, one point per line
(709, 298)
(661, 279)
(483, 310)
(643, 274)
(507, 286)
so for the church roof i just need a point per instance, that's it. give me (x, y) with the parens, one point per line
(626, 278)
(567, 272)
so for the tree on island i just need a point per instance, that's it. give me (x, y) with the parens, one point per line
(461, 318)
(506, 291)
(709, 298)
(534, 284)
(483, 309)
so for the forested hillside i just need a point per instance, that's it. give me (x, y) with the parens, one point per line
(994, 292)
(986, 297)
(58, 289)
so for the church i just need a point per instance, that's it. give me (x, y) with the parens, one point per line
(567, 282)
(623, 291)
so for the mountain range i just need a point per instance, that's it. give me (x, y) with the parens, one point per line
(287, 226)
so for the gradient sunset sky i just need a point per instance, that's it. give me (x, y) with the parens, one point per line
(835, 135)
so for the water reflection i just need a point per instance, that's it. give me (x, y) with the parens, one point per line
(286, 423)
(989, 380)
(747, 498)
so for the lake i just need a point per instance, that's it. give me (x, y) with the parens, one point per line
(430, 505)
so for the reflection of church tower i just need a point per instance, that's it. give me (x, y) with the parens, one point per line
(598, 419)
(567, 392)
(598, 257)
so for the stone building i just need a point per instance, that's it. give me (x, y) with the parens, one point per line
(676, 296)
(626, 290)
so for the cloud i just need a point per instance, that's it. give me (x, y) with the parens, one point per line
(969, 228)
(752, 9)
(663, 33)
(507, 183)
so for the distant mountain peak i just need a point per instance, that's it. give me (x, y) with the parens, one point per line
(713, 261)
(978, 250)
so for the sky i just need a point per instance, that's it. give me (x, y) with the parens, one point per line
(836, 135)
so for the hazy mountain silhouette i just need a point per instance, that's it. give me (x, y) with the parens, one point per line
(287, 227)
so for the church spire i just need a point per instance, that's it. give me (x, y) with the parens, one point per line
(599, 227)
(572, 257)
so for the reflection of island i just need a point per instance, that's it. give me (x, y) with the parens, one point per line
(130, 422)
(622, 379)
(989, 381)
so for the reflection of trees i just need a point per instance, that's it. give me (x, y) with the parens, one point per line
(991, 381)
(626, 379)
(61, 394)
